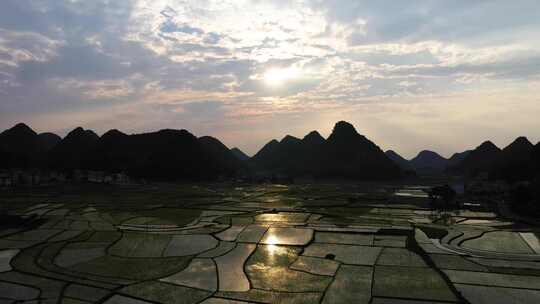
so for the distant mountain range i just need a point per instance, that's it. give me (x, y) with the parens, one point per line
(399, 160)
(515, 162)
(166, 154)
(179, 155)
(21, 147)
(239, 154)
(479, 160)
(457, 158)
(518, 161)
(429, 162)
(425, 163)
(344, 154)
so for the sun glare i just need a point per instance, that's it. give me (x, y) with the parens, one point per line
(280, 76)
(271, 240)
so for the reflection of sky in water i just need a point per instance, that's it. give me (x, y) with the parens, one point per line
(275, 250)
(272, 240)
(283, 217)
(417, 191)
(272, 248)
(287, 236)
(411, 193)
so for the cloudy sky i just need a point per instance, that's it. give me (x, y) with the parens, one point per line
(410, 75)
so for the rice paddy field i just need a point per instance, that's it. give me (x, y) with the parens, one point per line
(242, 243)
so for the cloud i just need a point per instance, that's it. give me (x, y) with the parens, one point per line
(96, 90)
(202, 107)
(17, 47)
(475, 22)
(171, 27)
(184, 63)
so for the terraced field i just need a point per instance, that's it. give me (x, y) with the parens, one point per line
(260, 244)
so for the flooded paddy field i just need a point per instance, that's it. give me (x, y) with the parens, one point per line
(223, 243)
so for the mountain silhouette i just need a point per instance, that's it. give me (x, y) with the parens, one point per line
(112, 152)
(22, 147)
(313, 139)
(179, 155)
(74, 150)
(224, 159)
(239, 154)
(518, 151)
(48, 141)
(345, 154)
(283, 156)
(399, 160)
(166, 154)
(351, 155)
(269, 155)
(313, 149)
(478, 160)
(456, 158)
(291, 149)
(429, 162)
(514, 161)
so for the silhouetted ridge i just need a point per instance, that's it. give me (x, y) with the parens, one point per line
(239, 154)
(456, 158)
(278, 156)
(173, 132)
(273, 142)
(313, 137)
(267, 149)
(166, 154)
(514, 161)
(113, 134)
(487, 146)
(429, 162)
(345, 154)
(111, 153)
(479, 160)
(522, 140)
(351, 155)
(171, 154)
(21, 129)
(288, 139)
(80, 135)
(74, 150)
(48, 141)
(20, 147)
(399, 160)
(521, 147)
(343, 128)
(225, 161)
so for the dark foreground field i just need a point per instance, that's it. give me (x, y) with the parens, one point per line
(224, 243)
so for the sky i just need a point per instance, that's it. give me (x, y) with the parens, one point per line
(409, 75)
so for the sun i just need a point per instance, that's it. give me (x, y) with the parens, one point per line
(277, 76)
